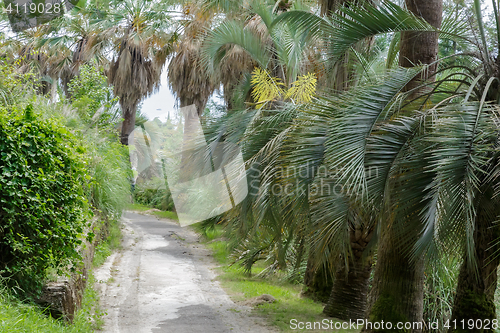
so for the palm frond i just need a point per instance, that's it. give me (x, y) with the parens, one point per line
(462, 140)
(348, 138)
(232, 32)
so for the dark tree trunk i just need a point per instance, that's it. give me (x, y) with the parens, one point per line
(348, 299)
(421, 47)
(398, 284)
(318, 282)
(476, 287)
(128, 125)
(349, 292)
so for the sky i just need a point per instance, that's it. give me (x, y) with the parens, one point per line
(162, 102)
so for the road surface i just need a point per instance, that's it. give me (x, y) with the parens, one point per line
(162, 281)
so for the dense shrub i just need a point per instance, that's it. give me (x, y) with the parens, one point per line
(154, 194)
(43, 204)
(93, 98)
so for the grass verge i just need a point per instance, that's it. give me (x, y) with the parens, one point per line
(16, 316)
(160, 213)
(166, 215)
(290, 305)
(109, 244)
(138, 207)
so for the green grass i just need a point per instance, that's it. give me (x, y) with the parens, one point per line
(290, 305)
(111, 243)
(138, 207)
(162, 214)
(208, 234)
(20, 317)
(166, 215)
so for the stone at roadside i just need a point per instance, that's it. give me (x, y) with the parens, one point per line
(259, 300)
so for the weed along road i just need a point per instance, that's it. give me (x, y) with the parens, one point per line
(161, 281)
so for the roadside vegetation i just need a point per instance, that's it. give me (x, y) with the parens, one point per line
(21, 317)
(64, 184)
(156, 212)
(244, 286)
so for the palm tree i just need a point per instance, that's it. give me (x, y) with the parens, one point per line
(143, 40)
(234, 48)
(416, 48)
(57, 49)
(187, 77)
(439, 186)
(37, 57)
(269, 150)
(337, 30)
(86, 40)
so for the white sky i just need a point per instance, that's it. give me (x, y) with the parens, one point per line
(162, 103)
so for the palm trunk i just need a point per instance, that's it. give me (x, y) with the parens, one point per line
(476, 287)
(349, 292)
(421, 47)
(128, 125)
(398, 286)
(348, 299)
(318, 281)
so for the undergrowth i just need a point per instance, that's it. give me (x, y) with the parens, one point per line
(241, 286)
(16, 316)
(110, 243)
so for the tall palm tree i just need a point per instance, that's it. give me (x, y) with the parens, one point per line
(57, 49)
(37, 57)
(440, 191)
(84, 36)
(144, 38)
(187, 77)
(416, 48)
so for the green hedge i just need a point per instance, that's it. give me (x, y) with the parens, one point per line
(42, 197)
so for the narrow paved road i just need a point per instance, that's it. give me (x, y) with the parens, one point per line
(161, 281)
